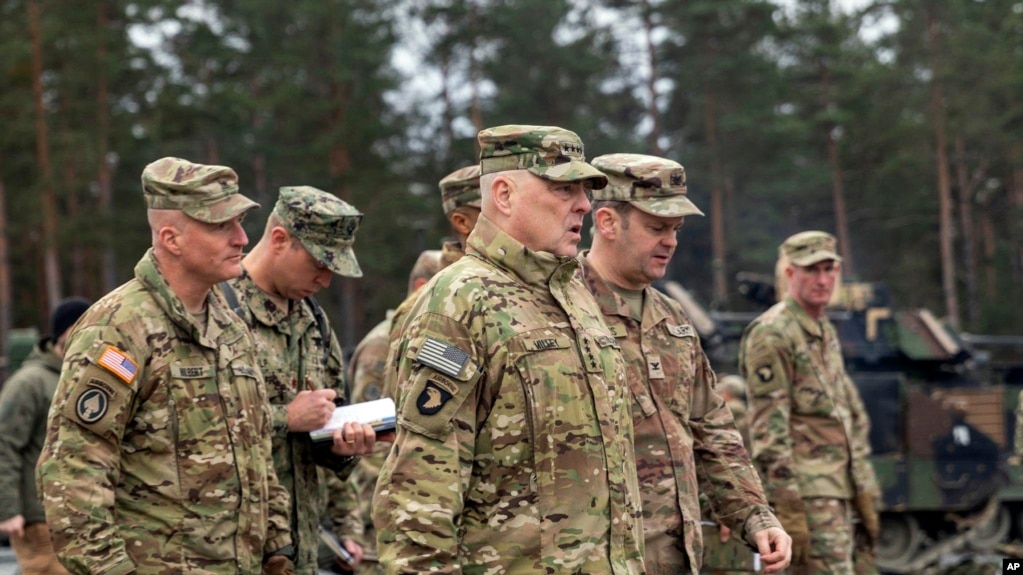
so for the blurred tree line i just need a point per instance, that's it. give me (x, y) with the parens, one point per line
(895, 124)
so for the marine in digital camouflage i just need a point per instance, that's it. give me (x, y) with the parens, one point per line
(655, 185)
(206, 193)
(686, 440)
(548, 152)
(325, 225)
(294, 354)
(158, 447)
(514, 444)
(808, 426)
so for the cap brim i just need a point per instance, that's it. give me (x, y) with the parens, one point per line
(345, 264)
(670, 207)
(818, 256)
(230, 207)
(572, 171)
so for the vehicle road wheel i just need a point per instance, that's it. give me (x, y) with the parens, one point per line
(985, 537)
(899, 541)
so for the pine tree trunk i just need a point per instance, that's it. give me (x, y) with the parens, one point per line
(340, 162)
(969, 240)
(104, 169)
(946, 230)
(717, 216)
(6, 307)
(51, 271)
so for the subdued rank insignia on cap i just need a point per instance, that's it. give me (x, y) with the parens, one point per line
(432, 398)
(92, 405)
(765, 373)
(445, 358)
(676, 178)
(681, 330)
(119, 364)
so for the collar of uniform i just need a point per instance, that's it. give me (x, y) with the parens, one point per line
(221, 326)
(612, 303)
(809, 325)
(536, 269)
(263, 309)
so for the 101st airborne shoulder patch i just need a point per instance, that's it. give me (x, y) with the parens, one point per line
(432, 398)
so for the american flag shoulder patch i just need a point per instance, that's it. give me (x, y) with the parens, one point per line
(443, 357)
(119, 364)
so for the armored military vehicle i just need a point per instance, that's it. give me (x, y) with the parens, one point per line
(942, 414)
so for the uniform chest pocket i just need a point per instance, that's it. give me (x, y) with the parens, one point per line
(677, 356)
(196, 397)
(552, 381)
(810, 392)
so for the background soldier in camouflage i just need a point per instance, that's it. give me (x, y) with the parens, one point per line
(808, 427)
(723, 553)
(366, 372)
(684, 433)
(460, 197)
(514, 445)
(157, 455)
(307, 238)
(24, 405)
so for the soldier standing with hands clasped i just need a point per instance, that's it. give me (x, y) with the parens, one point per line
(808, 427)
(157, 456)
(684, 433)
(514, 444)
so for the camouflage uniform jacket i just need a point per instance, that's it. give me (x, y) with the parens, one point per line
(24, 404)
(808, 427)
(520, 461)
(290, 354)
(684, 433)
(366, 372)
(167, 471)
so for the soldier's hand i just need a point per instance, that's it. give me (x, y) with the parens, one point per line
(775, 548)
(355, 550)
(278, 565)
(868, 515)
(14, 526)
(354, 439)
(794, 523)
(724, 533)
(310, 410)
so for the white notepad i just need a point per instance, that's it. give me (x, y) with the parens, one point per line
(380, 413)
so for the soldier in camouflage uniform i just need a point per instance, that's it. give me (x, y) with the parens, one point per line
(684, 433)
(366, 372)
(157, 455)
(24, 405)
(306, 240)
(460, 197)
(514, 446)
(808, 427)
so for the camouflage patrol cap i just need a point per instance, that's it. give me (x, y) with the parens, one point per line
(461, 188)
(205, 193)
(549, 152)
(807, 248)
(655, 185)
(324, 224)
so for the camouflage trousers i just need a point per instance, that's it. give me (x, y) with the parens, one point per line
(34, 551)
(729, 558)
(831, 526)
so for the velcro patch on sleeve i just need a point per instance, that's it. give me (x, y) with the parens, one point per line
(118, 363)
(681, 330)
(442, 356)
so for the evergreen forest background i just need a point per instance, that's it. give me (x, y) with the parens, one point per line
(895, 124)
